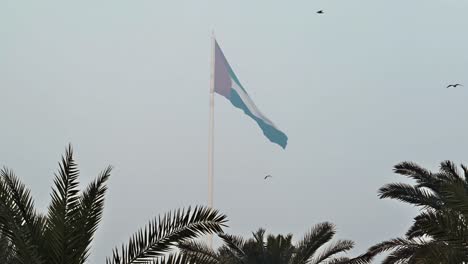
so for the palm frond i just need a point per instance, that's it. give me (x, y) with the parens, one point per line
(319, 235)
(465, 172)
(279, 248)
(18, 219)
(162, 234)
(21, 197)
(236, 245)
(410, 194)
(89, 214)
(339, 246)
(174, 259)
(338, 260)
(412, 170)
(399, 255)
(420, 251)
(62, 210)
(259, 236)
(362, 259)
(64, 235)
(24, 205)
(412, 251)
(439, 225)
(449, 170)
(199, 252)
(439, 233)
(455, 196)
(388, 245)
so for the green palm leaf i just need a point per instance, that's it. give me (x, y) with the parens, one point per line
(440, 232)
(236, 246)
(339, 246)
(18, 220)
(199, 252)
(410, 194)
(162, 234)
(89, 214)
(174, 259)
(62, 210)
(275, 249)
(422, 176)
(319, 235)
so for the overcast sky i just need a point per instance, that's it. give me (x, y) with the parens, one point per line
(356, 90)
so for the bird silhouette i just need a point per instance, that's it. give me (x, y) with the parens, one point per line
(320, 12)
(454, 85)
(268, 176)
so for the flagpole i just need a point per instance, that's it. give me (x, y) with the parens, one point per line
(211, 133)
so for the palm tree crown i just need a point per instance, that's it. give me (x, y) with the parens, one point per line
(439, 233)
(65, 233)
(279, 249)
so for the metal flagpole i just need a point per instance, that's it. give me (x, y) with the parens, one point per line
(211, 133)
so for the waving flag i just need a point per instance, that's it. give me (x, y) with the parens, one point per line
(227, 85)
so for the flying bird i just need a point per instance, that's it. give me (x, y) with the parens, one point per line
(454, 85)
(320, 12)
(268, 176)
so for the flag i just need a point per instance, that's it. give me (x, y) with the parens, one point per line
(227, 84)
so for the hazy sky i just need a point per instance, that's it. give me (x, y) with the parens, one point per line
(357, 90)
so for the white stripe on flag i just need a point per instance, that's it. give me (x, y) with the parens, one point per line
(250, 104)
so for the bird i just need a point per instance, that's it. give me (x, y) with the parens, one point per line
(268, 176)
(454, 85)
(320, 12)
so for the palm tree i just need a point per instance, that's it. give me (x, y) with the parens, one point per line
(65, 233)
(440, 232)
(272, 249)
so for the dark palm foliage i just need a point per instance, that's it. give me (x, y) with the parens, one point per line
(7, 253)
(64, 234)
(162, 234)
(261, 249)
(440, 232)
